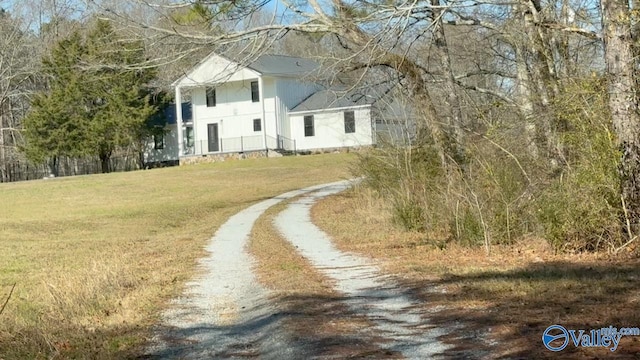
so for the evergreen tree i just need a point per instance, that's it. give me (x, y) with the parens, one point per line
(97, 100)
(58, 123)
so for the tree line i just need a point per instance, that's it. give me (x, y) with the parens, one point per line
(73, 92)
(525, 111)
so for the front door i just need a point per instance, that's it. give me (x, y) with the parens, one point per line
(212, 131)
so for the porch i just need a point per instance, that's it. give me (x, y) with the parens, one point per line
(238, 145)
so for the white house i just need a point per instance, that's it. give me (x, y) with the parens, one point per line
(269, 103)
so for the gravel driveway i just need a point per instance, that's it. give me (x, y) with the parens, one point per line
(367, 291)
(226, 314)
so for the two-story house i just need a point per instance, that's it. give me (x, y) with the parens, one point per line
(272, 102)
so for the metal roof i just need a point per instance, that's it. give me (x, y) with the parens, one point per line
(343, 98)
(282, 65)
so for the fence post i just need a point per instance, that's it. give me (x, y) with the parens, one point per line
(295, 151)
(241, 143)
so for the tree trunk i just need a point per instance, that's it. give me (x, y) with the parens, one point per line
(524, 100)
(543, 78)
(618, 46)
(455, 122)
(104, 162)
(53, 166)
(141, 163)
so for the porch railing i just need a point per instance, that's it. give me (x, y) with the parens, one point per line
(226, 145)
(286, 144)
(240, 144)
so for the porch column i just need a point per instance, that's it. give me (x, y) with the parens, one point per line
(264, 120)
(179, 122)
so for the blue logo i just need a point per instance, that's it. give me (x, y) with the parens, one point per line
(557, 337)
(553, 333)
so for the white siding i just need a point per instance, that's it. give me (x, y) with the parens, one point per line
(170, 151)
(234, 112)
(271, 124)
(329, 130)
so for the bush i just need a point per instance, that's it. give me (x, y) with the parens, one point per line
(409, 178)
(568, 193)
(581, 208)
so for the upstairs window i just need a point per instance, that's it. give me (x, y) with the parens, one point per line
(255, 92)
(349, 122)
(211, 97)
(257, 125)
(309, 129)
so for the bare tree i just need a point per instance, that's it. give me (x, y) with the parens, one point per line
(623, 102)
(17, 80)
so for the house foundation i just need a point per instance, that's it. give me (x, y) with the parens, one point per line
(214, 158)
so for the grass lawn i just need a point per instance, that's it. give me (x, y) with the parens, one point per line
(95, 258)
(511, 296)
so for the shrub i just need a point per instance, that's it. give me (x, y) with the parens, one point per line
(568, 193)
(581, 208)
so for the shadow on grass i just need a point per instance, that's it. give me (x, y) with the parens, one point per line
(518, 305)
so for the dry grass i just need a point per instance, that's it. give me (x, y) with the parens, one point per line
(512, 295)
(94, 258)
(314, 312)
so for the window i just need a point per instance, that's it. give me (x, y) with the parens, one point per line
(212, 137)
(189, 136)
(349, 122)
(255, 91)
(211, 97)
(158, 141)
(257, 125)
(309, 129)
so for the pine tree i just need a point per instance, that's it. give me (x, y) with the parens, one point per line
(97, 101)
(57, 124)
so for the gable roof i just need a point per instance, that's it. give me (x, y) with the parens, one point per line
(335, 98)
(216, 68)
(282, 65)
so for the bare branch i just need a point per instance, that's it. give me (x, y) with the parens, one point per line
(572, 29)
(484, 72)
(486, 91)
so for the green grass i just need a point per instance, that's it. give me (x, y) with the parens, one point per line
(94, 258)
